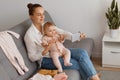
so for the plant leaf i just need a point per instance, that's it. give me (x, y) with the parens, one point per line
(112, 4)
(116, 8)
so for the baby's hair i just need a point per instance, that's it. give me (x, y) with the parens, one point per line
(47, 25)
(32, 7)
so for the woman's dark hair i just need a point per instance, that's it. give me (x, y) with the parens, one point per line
(32, 7)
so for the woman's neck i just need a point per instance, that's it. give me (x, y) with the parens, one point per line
(39, 27)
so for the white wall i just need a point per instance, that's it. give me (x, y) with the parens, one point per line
(87, 16)
(13, 12)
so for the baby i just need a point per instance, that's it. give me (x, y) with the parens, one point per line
(54, 40)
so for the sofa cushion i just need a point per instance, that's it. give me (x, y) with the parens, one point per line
(73, 74)
(3, 73)
(86, 44)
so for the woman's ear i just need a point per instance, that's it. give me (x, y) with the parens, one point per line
(31, 17)
(44, 32)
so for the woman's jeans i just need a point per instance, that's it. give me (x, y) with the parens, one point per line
(80, 61)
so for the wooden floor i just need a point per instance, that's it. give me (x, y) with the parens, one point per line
(98, 65)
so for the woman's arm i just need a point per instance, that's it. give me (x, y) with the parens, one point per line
(47, 44)
(46, 49)
(31, 45)
(69, 35)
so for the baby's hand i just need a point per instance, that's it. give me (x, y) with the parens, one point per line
(52, 41)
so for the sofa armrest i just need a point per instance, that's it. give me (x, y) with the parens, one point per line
(86, 44)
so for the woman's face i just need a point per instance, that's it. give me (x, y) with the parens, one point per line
(38, 15)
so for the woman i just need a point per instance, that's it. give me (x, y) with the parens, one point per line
(33, 39)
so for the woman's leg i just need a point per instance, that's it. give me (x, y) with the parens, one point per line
(85, 65)
(47, 63)
(87, 69)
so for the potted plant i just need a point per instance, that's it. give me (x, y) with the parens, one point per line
(113, 18)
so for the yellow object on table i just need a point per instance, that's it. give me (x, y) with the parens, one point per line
(48, 72)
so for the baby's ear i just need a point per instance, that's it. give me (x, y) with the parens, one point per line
(56, 32)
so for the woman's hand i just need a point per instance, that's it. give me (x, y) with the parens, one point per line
(44, 52)
(61, 37)
(82, 36)
(46, 48)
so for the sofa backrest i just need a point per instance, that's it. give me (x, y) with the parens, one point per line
(7, 71)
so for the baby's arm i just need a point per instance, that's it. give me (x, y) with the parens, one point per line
(46, 44)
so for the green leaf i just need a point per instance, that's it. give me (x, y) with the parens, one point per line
(113, 4)
(113, 16)
(107, 16)
(116, 8)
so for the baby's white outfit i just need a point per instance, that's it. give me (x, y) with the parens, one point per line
(10, 50)
(57, 49)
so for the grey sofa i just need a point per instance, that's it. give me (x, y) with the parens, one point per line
(8, 72)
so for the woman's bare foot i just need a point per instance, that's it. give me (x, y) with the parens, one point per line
(99, 74)
(60, 76)
(96, 77)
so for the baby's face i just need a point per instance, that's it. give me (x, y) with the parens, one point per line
(51, 31)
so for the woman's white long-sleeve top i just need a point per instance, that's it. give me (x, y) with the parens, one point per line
(33, 38)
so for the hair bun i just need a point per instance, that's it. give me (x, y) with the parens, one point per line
(29, 5)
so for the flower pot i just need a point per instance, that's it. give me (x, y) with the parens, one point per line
(114, 33)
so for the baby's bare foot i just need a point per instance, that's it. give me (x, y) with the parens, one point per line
(21, 72)
(68, 64)
(26, 69)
